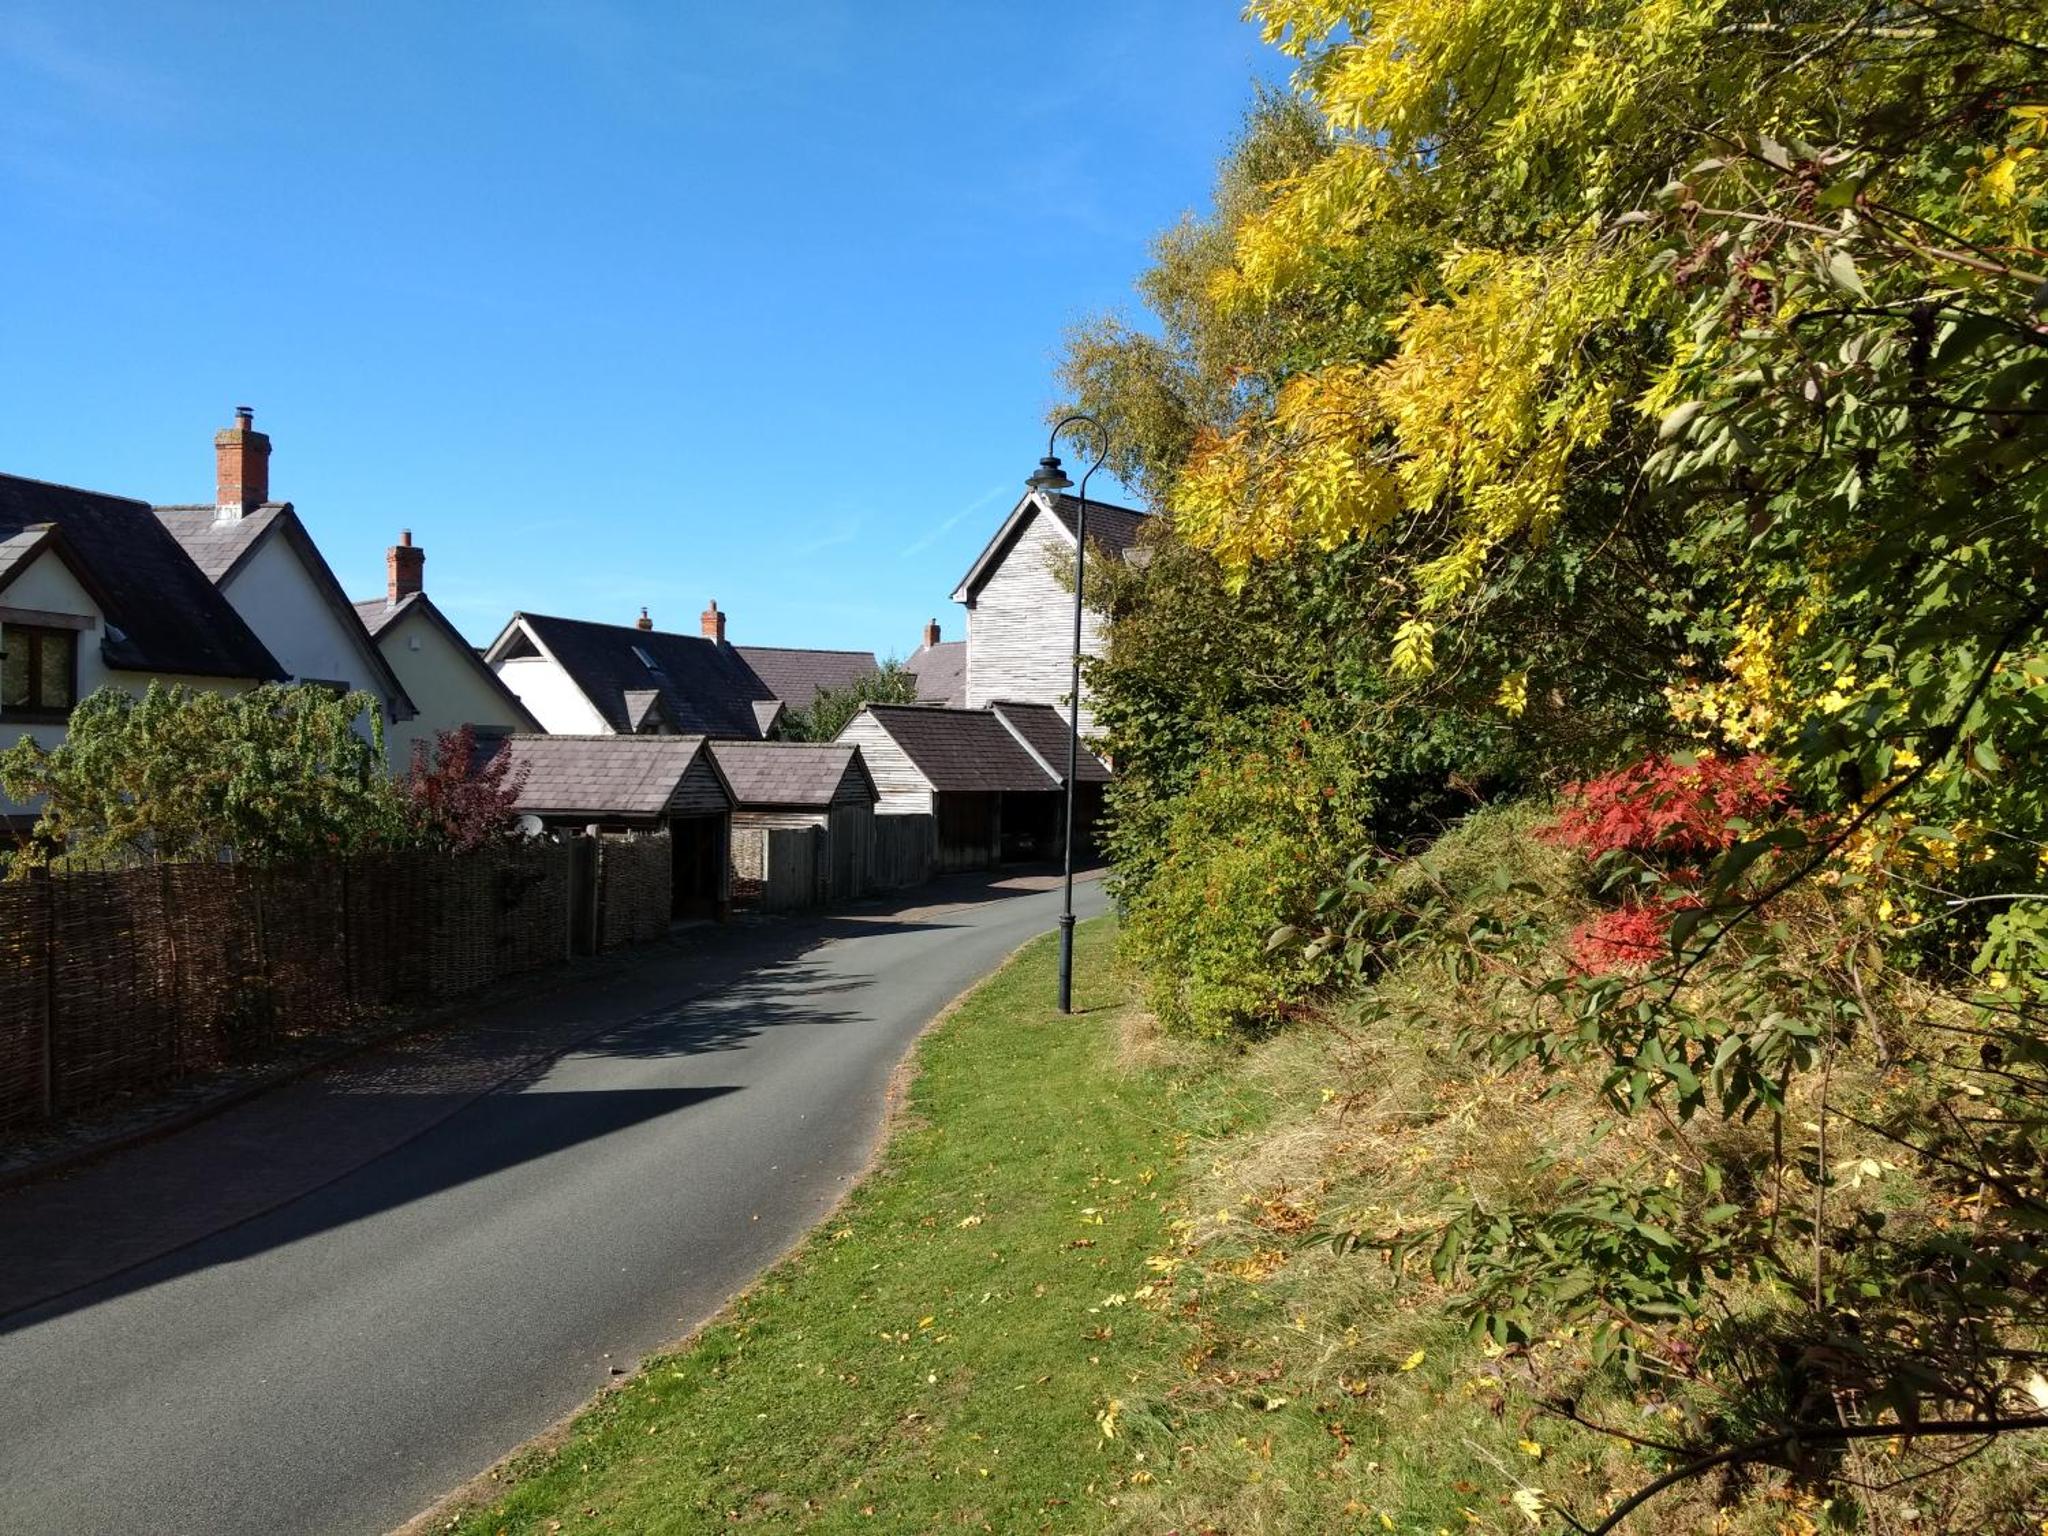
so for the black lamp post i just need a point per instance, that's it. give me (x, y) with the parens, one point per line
(1051, 479)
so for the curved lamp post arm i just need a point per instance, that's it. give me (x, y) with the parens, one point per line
(1050, 478)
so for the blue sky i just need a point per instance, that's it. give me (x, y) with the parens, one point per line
(610, 303)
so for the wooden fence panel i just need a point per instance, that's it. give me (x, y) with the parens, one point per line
(24, 1001)
(114, 982)
(635, 888)
(789, 881)
(902, 852)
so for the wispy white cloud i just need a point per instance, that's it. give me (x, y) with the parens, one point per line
(842, 531)
(931, 536)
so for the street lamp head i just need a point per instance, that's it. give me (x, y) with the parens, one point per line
(1048, 476)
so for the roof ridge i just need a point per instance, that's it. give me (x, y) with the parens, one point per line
(679, 736)
(83, 490)
(812, 650)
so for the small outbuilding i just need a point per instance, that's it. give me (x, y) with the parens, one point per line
(630, 783)
(1044, 732)
(803, 821)
(989, 793)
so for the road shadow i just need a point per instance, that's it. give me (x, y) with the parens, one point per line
(464, 1099)
(391, 1127)
(484, 1137)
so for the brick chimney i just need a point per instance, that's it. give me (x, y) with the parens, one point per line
(931, 633)
(711, 622)
(643, 622)
(241, 458)
(405, 568)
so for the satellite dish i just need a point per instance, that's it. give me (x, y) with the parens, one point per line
(531, 826)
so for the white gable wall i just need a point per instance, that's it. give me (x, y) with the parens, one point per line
(903, 789)
(277, 597)
(551, 696)
(447, 685)
(1020, 626)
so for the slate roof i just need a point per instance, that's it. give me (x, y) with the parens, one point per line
(798, 676)
(941, 673)
(1045, 730)
(802, 773)
(163, 614)
(600, 775)
(1112, 527)
(705, 687)
(379, 613)
(961, 749)
(217, 547)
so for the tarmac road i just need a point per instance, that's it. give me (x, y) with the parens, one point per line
(388, 1275)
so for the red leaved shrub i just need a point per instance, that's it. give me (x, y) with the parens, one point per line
(460, 798)
(1664, 809)
(1676, 814)
(1629, 937)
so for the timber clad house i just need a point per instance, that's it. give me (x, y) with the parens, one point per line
(1018, 645)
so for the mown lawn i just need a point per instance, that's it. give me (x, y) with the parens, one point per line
(947, 1353)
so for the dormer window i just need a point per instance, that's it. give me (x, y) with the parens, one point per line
(38, 672)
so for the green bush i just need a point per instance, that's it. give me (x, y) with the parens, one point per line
(1246, 849)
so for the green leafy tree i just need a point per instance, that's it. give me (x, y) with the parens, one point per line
(827, 713)
(273, 774)
(1633, 378)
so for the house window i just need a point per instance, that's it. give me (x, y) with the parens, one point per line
(38, 672)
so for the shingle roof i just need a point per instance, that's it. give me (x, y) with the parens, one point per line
(941, 673)
(600, 775)
(806, 773)
(1112, 527)
(798, 676)
(704, 686)
(1045, 731)
(961, 749)
(215, 546)
(163, 612)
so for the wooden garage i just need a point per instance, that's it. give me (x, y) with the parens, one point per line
(802, 823)
(988, 793)
(633, 783)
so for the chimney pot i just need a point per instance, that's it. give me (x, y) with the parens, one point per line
(643, 622)
(931, 633)
(711, 623)
(241, 463)
(405, 567)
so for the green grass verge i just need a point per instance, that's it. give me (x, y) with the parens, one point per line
(941, 1354)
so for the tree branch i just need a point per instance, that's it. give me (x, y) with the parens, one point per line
(1817, 1434)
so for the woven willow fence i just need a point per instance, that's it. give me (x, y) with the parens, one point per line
(116, 982)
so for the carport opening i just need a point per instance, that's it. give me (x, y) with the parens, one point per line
(697, 845)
